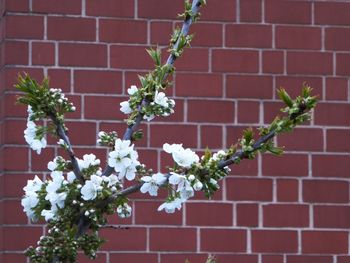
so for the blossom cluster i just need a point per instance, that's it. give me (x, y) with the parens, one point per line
(33, 135)
(159, 106)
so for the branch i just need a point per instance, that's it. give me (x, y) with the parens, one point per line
(62, 135)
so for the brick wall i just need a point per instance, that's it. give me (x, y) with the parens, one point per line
(286, 209)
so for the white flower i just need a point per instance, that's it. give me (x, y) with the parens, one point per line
(48, 214)
(171, 206)
(29, 202)
(161, 99)
(33, 185)
(56, 199)
(124, 159)
(219, 155)
(148, 117)
(183, 186)
(88, 160)
(125, 107)
(183, 157)
(191, 177)
(71, 177)
(151, 184)
(124, 210)
(52, 165)
(112, 180)
(89, 191)
(30, 136)
(132, 90)
(198, 186)
(62, 143)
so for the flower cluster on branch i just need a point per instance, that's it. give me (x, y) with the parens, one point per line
(79, 193)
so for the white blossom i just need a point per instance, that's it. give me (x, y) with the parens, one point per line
(89, 191)
(161, 99)
(56, 198)
(52, 165)
(112, 180)
(88, 160)
(30, 199)
(48, 214)
(132, 90)
(30, 136)
(125, 107)
(171, 206)
(183, 186)
(124, 210)
(148, 117)
(71, 177)
(124, 159)
(183, 157)
(151, 184)
(198, 186)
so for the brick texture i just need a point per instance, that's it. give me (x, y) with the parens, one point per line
(289, 209)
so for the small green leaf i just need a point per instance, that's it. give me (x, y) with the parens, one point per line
(284, 96)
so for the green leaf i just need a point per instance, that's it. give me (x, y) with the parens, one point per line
(284, 96)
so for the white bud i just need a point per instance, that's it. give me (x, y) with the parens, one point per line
(198, 186)
(191, 177)
(86, 213)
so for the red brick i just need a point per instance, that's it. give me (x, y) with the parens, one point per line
(229, 258)
(343, 62)
(309, 259)
(216, 111)
(121, 8)
(223, 240)
(293, 85)
(337, 140)
(103, 108)
(13, 213)
(17, 5)
(12, 109)
(219, 10)
(248, 112)
(325, 191)
(118, 31)
(15, 53)
(324, 13)
(206, 35)
(186, 134)
(71, 28)
(57, 6)
(332, 114)
(133, 257)
(76, 100)
(18, 258)
(271, 110)
(330, 165)
(287, 190)
(235, 61)
(336, 89)
(248, 36)
(89, 81)
(39, 162)
(120, 57)
(13, 131)
(272, 259)
(343, 259)
(206, 214)
(273, 61)
(211, 137)
(14, 183)
(29, 236)
(85, 55)
(249, 87)
(286, 215)
(182, 239)
(100, 258)
(250, 10)
(146, 9)
(337, 38)
(286, 165)
(178, 116)
(268, 241)
(146, 214)
(302, 140)
(324, 242)
(195, 59)
(292, 37)
(249, 189)
(287, 12)
(247, 215)
(43, 53)
(88, 137)
(332, 216)
(59, 78)
(199, 85)
(175, 258)
(124, 239)
(24, 27)
(309, 63)
(20, 163)
(160, 32)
